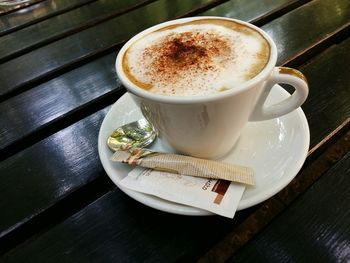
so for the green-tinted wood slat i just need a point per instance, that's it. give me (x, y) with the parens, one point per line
(58, 55)
(324, 16)
(43, 165)
(23, 172)
(50, 106)
(25, 114)
(332, 105)
(5, 9)
(118, 229)
(39, 34)
(248, 10)
(315, 228)
(35, 13)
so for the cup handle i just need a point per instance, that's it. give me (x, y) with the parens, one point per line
(283, 75)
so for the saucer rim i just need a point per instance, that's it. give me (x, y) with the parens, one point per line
(181, 209)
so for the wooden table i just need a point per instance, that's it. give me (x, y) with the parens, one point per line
(57, 82)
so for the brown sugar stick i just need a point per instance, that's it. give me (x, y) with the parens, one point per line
(185, 165)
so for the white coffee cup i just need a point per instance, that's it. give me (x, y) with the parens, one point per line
(208, 126)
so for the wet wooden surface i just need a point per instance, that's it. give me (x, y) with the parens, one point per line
(36, 13)
(57, 82)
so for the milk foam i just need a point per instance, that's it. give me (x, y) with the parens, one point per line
(195, 59)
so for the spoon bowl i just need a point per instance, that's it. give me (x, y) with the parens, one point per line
(135, 134)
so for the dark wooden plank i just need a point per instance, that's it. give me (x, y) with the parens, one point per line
(5, 9)
(256, 12)
(268, 211)
(94, 86)
(42, 165)
(61, 26)
(332, 107)
(125, 232)
(318, 225)
(53, 58)
(36, 13)
(307, 19)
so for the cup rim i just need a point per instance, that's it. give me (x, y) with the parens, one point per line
(135, 90)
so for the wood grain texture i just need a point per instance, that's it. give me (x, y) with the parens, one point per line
(321, 16)
(12, 8)
(332, 106)
(36, 13)
(256, 12)
(39, 171)
(117, 228)
(24, 115)
(270, 210)
(61, 26)
(315, 228)
(316, 168)
(244, 232)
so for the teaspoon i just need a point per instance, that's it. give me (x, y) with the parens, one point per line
(135, 134)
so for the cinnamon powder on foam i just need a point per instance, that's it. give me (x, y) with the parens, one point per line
(188, 62)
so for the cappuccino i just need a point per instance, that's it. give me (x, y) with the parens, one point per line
(199, 57)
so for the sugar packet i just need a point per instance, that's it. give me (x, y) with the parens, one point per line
(185, 165)
(217, 196)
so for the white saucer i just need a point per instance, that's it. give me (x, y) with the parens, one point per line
(275, 149)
